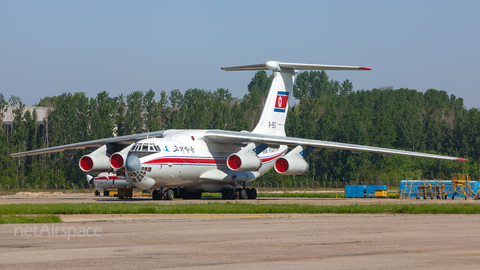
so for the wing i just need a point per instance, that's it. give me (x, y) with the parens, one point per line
(123, 140)
(243, 137)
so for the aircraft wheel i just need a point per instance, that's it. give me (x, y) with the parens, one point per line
(253, 194)
(224, 194)
(97, 193)
(168, 195)
(229, 193)
(155, 195)
(243, 194)
(181, 193)
(176, 192)
(237, 194)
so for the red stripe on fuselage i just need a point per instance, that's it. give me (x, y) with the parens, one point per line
(209, 161)
(268, 159)
(109, 178)
(188, 160)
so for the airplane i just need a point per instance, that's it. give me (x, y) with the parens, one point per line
(185, 163)
(107, 180)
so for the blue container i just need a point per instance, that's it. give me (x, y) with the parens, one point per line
(355, 191)
(370, 190)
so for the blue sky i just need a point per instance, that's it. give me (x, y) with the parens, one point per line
(51, 47)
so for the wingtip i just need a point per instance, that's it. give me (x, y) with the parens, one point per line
(462, 159)
(365, 68)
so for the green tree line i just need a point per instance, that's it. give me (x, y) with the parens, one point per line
(430, 121)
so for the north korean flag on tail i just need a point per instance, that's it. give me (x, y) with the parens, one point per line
(281, 101)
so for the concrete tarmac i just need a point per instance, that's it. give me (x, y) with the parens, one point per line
(49, 197)
(244, 241)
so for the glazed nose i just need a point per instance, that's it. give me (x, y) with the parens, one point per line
(133, 164)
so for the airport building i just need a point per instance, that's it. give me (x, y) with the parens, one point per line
(42, 115)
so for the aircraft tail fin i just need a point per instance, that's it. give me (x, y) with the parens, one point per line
(274, 114)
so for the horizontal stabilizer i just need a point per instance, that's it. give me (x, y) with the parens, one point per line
(292, 67)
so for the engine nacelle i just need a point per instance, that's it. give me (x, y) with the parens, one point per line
(291, 165)
(94, 163)
(243, 162)
(117, 160)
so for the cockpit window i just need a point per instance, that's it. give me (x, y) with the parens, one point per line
(145, 147)
(139, 146)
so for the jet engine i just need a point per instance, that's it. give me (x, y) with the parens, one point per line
(291, 165)
(243, 162)
(117, 160)
(97, 161)
(94, 163)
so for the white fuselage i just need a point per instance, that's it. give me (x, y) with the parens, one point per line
(182, 158)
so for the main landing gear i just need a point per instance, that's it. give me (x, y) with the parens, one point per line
(163, 195)
(239, 193)
(227, 193)
(171, 193)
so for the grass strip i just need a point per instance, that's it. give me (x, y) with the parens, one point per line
(11, 219)
(286, 195)
(297, 195)
(232, 208)
(303, 195)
